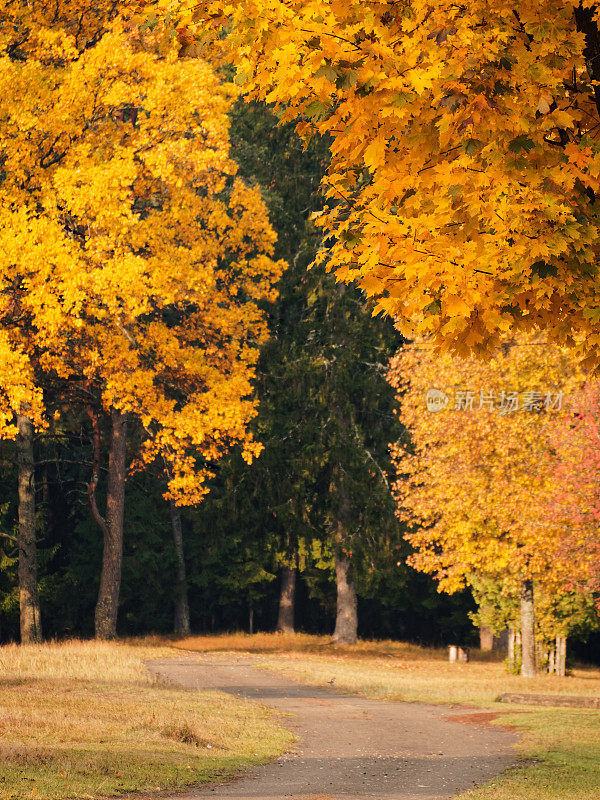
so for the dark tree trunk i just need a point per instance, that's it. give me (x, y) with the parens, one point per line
(346, 622)
(285, 620)
(527, 629)
(111, 527)
(182, 609)
(29, 603)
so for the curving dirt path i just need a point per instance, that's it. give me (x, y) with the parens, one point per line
(349, 748)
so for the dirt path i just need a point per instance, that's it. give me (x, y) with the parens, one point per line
(349, 747)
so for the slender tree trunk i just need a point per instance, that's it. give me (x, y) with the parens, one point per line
(285, 619)
(511, 648)
(527, 629)
(29, 603)
(346, 622)
(551, 661)
(111, 527)
(182, 609)
(560, 664)
(250, 620)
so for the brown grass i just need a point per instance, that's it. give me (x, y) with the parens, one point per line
(85, 720)
(301, 644)
(394, 670)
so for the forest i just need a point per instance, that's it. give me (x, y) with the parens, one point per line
(253, 375)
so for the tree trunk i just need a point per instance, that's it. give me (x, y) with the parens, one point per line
(182, 610)
(112, 529)
(285, 619)
(251, 620)
(29, 603)
(511, 648)
(486, 639)
(551, 661)
(346, 622)
(560, 663)
(527, 629)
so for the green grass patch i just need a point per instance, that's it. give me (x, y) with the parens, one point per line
(563, 748)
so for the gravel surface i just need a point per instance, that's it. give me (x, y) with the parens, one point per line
(348, 747)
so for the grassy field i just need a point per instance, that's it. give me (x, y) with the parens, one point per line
(84, 720)
(560, 748)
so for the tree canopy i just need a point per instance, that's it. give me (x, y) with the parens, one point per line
(464, 150)
(133, 261)
(480, 466)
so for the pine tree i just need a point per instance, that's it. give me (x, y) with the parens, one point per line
(325, 415)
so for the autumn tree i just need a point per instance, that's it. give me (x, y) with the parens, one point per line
(569, 512)
(134, 263)
(464, 153)
(560, 612)
(575, 502)
(479, 468)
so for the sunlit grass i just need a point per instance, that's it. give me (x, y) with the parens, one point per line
(85, 720)
(562, 751)
(300, 643)
(394, 670)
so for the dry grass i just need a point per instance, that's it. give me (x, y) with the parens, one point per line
(85, 720)
(393, 670)
(300, 644)
(428, 680)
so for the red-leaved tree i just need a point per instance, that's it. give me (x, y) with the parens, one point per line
(575, 502)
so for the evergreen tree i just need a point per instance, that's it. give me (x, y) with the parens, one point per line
(326, 413)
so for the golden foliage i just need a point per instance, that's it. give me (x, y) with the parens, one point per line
(131, 257)
(476, 479)
(465, 150)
